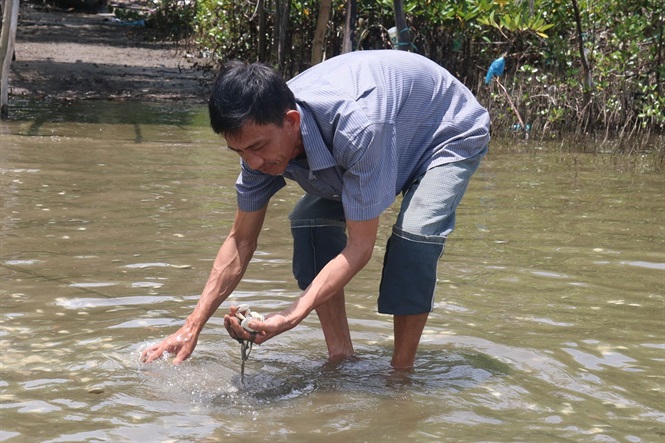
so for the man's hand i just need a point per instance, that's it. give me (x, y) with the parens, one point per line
(182, 343)
(227, 271)
(274, 324)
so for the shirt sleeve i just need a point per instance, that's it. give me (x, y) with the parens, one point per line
(370, 179)
(254, 189)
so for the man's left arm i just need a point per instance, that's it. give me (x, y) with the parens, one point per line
(332, 278)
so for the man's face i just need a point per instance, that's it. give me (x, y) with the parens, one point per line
(268, 148)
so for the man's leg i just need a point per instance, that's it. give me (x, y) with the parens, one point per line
(408, 283)
(407, 289)
(318, 228)
(335, 326)
(408, 329)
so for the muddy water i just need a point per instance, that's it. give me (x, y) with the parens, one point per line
(548, 324)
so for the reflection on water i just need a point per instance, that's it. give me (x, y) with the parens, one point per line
(548, 325)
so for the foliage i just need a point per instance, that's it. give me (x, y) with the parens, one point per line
(175, 18)
(172, 19)
(622, 40)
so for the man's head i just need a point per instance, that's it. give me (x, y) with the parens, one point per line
(254, 109)
(245, 93)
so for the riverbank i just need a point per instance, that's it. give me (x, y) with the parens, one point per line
(66, 55)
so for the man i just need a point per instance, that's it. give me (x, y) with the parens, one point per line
(354, 132)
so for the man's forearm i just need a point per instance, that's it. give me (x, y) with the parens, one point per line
(339, 271)
(332, 279)
(227, 271)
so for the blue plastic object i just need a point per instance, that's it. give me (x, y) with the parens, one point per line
(496, 68)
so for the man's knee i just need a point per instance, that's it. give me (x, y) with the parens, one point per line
(408, 280)
(313, 247)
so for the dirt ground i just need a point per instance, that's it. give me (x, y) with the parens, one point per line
(66, 55)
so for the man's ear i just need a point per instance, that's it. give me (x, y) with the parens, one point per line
(292, 119)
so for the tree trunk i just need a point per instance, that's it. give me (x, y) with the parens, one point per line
(580, 42)
(587, 81)
(325, 6)
(403, 34)
(283, 10)
(262, 30)
(349, 26)
(7, 38)
(660, 26)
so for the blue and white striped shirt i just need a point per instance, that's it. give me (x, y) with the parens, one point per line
(371, 123)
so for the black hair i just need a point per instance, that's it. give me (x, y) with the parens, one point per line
(248, 92)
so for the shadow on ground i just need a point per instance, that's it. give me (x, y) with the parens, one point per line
(69, 56)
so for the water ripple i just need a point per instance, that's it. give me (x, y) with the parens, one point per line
(98, 302)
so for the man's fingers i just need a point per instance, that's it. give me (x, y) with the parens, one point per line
(150, 354)
(256, 325)
(182, 356)
(237, 332)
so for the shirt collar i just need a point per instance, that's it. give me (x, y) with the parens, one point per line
(318, 154)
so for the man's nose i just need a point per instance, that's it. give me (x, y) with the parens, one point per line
(254, 161)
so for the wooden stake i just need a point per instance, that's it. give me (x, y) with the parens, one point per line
(512, 105)
(7, 38)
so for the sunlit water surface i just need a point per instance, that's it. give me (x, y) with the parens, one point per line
(548, 324)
